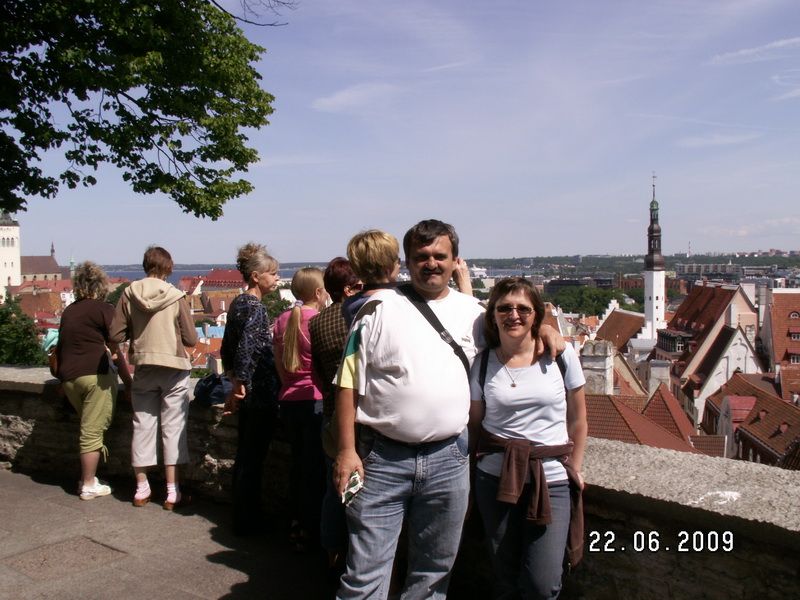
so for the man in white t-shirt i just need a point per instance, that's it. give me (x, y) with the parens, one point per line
(408, 391)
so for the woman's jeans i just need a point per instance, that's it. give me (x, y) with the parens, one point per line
(527, 559)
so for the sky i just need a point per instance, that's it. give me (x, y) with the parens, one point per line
(533, 126)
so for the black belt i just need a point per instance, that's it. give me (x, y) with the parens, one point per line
(414, 445)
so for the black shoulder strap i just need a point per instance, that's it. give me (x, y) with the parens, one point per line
(562, 365)
(482, 372)
(419, 302)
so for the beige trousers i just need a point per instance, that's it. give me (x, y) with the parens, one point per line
(159, 392)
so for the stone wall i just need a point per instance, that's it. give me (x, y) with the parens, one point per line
(638, 502)
(39, 432)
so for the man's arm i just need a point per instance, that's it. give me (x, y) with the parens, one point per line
(550, 339)
(186, 324)
(347, 459)
(118, 332)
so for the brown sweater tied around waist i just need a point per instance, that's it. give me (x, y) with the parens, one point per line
(521, 457)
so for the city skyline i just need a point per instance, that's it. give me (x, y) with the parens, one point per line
(533, 127)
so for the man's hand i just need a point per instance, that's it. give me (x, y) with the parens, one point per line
(234, 397)
(346, 462)
(551, 340)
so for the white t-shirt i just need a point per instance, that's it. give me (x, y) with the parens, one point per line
(536, 409)
(412, 387)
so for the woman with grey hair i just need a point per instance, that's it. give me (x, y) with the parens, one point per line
(250, 365)
(90, 382)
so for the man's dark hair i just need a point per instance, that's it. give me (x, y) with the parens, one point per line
(425, 232)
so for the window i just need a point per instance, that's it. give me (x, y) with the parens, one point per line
(794, 315)
(796, 336)
(794, 359)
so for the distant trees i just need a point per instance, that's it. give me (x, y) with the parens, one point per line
(586, 300)
(114, 296)
(275, 304)
(162, 89)
(20, 340)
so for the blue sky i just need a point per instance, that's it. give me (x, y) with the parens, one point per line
(533, 126)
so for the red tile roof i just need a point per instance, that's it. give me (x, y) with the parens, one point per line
(790, 382)
(612, 419)
(620, 326)
(712, 445)
(217, 302)
(36, 265)
(199, 354)
(549, 318)
(41, 285)
(45, 302)
(774, 424)
(741, 384)
(663, 408)
(783, 305)
(702, 308)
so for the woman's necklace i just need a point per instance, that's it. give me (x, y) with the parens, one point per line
(503, 361)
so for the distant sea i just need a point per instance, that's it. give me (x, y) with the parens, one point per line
(133, 272)
(287, 271)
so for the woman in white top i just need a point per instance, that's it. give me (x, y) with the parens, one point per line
(525, 409)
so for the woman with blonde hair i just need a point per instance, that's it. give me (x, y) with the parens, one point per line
(250, 365)
(300, 402)
(90, 382)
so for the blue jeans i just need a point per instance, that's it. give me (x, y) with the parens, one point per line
(527, 559)
(428, 484)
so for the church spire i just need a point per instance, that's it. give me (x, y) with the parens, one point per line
(654, 261)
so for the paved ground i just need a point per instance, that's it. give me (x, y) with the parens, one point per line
(53, 545)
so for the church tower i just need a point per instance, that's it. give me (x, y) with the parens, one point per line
(654, 278)
(10, 264)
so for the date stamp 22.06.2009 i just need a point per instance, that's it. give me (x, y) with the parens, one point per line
(654, 541)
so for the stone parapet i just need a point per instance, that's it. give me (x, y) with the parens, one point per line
(659, 523)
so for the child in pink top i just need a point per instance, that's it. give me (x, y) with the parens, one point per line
(300, 402)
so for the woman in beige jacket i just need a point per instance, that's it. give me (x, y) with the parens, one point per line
(155, 317)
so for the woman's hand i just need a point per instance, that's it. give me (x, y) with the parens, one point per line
(461, 277)
(346, 462)
(233, 398)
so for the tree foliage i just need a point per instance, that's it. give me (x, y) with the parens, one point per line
(586, 300)
(20, 342)
(115, 295)
(275, 304)
(163, 89)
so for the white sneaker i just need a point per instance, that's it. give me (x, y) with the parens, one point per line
(95, 490)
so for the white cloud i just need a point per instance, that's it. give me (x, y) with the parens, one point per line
(355, 97)
(788, 95)
(452, 65)
(716, 139)
(771, 51)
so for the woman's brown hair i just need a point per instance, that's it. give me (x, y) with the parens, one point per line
(502, 288)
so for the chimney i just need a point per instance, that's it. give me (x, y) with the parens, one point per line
(597, 360)
(732, 316)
